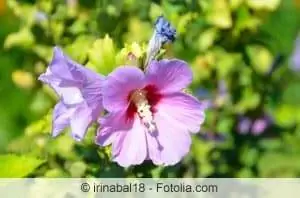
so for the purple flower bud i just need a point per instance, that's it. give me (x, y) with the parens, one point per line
(164, 30)
(163, 33)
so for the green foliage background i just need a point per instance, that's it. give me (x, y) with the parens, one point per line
(234, 41)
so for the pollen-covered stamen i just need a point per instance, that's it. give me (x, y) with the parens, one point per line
(139, 98)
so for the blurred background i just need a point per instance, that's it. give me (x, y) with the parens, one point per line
(245, 55)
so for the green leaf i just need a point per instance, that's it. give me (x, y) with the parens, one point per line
(219, 14)
(282, 165)
(245, 20)
(249, 156)
(77, 169)
(102, 55)
(23, 38)
(84, 44)
(235, 4)
(260, 57)
(155, 11)
(291, 94)
(207, 38)
(285, 115)
(249, 100)
(263, 4)
(14, 166)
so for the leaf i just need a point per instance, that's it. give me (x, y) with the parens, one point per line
(249, 100)
(260, 57)
(23, 38)
(245, 20)
(14, 166)
(235, 4)
(155, 11)
(84, 44)
(284, 165)
(207, 38)
(77, 169)
(219, 14)
(102, 55)
(284, 115)
(263, 4)
(291, 95)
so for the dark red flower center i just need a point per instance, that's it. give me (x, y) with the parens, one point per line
(148, 94)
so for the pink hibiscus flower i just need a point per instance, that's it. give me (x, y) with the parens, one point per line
(149, 116)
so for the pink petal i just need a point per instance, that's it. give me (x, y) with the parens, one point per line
(109, 125)
(154, 149)
(169, 75)
(184, 111)
(105, 136)
(131, 145)
(118, 86)
(175, 141)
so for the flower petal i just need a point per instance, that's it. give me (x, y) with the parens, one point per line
(185, 111)
(61, 115)
(80, 92)
(68, 78)
(69, 95)
(132, 145)
(169, 75)
(154, 149)
(109, 124)
(80, 121)
(105, 136)
(118, 86)
(175, 141)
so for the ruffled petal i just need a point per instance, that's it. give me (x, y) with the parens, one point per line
(183, 110)
(118, 86)
(169, 75)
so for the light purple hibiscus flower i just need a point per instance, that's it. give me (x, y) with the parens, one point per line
(80, 94)
(150, 117)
